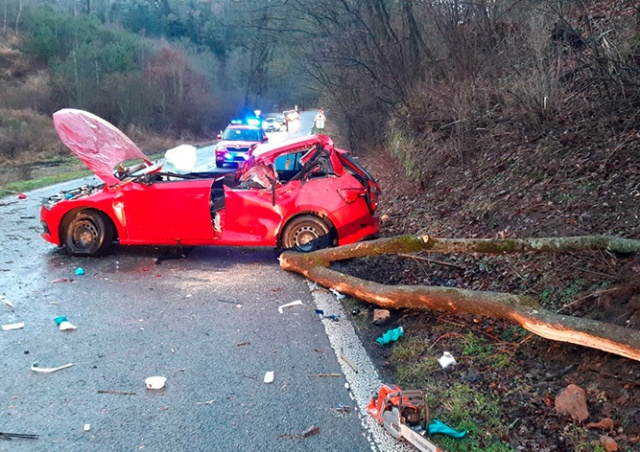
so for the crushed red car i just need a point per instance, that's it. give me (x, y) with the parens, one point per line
(305, 194)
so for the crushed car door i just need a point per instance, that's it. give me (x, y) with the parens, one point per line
(251, 214)
(168, 212)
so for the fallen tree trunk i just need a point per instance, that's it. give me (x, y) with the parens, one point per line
(521, 310)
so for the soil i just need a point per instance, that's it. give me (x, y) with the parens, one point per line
(527, 191)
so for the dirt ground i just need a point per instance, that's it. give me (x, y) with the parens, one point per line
(518, 195)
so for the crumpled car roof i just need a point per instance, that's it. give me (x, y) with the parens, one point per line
(98, 143)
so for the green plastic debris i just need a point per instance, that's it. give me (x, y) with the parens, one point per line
(391, 336)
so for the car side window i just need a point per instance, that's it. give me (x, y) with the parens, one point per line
(288, 165)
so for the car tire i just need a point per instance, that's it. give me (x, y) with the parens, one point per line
(305, 234)
(88, 232)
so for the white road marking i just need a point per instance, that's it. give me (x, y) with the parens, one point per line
(366, 382)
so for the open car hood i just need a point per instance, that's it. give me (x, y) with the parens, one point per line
(98, 143)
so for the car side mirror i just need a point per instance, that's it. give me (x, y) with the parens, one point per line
(220, 136)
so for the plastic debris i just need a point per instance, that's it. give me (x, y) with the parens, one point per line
(269, 377)
(156, 382)
(48, 370)
(333, 317)
(437, 426)
(68, 195)
(6, 301)
(337, 294)
(59, 280)
(22, 196)
(13, 326)
(288, 305)
(446, 360)
(87, 427)
(64, 324)
(79, 271)
(390, 336)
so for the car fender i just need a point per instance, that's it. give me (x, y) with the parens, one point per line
(81, 205)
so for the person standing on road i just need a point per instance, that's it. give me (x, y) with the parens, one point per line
(320, 119)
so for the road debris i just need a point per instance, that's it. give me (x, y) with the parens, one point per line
(326, 375)
(313, 430)
(346, 360)
(288, 305)
(446, 360)
(13, 326)
(390, 336)
(48, 370)
(64, 324)
(337, 294)
(79, 271)
(87, 427)
(111, 391)
(156, 382)
(269, 377)
(6, 301)
(22, 196)
(333, 317)
(10, 436)
(61, 280)
(240, 344)
(342, 409)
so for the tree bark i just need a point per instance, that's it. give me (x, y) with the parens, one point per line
(519, 309)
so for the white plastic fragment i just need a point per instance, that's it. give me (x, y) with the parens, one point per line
(446, 360)
(155, 382)
(288, 305)
(269, 377)
(5, 301)
(66, 326)
(313, 286)
(48, 370)
(13, 326)
(336, 294)
(87, 427)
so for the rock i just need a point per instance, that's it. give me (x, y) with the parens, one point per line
(608, 443)
(572, 401)
(381, 316)
(604, 424)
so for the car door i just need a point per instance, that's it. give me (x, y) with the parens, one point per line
(168, 212)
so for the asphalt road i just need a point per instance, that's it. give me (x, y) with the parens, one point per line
(208, 322)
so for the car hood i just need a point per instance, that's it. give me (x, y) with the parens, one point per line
(99, 144)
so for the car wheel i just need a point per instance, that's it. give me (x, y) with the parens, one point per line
(88, 232)
(305, 234)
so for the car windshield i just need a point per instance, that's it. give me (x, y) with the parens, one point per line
(241, 135)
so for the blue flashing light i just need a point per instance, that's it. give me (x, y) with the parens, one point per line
(237, 121)
(253, 122)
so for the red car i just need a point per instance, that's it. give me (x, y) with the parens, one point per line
(236, 142)
(303, 195)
